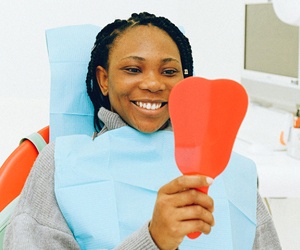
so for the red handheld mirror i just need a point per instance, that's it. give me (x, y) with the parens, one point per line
(206, 116)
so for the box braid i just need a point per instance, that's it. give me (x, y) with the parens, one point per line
(104, 42)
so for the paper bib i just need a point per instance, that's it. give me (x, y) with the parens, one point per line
(106, 189)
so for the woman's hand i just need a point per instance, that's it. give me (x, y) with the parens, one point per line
(180, 210)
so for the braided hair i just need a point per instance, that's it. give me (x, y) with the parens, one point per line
(104, 42)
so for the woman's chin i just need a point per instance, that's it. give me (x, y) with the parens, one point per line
(150, 128)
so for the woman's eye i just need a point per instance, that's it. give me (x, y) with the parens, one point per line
(170, 72)
(133, 70)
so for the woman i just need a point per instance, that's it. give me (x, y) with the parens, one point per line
(134, 65)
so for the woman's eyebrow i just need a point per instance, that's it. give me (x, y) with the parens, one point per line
(169, 59)
(138, 58)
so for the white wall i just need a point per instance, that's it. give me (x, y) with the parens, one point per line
(215, 29)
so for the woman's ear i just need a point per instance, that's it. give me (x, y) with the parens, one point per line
(102, 79)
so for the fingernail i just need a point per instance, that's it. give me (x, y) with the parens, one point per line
(209, 180)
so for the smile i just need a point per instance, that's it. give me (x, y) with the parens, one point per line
(149, 106)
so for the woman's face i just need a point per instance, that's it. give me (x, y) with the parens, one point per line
(144, 65)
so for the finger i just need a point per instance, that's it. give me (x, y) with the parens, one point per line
(195, 212)
(194, 197)
(185, 182)
(196, 226)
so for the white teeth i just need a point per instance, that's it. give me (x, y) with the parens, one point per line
(148, 105)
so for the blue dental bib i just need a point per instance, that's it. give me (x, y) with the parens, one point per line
(106, 189)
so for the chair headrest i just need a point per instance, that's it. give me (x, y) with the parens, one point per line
(69, 50)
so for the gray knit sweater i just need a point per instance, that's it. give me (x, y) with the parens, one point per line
(37, 222)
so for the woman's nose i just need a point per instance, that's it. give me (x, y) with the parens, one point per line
(153, 83)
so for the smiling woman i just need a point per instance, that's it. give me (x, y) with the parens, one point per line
(140, 75)
(122, 189)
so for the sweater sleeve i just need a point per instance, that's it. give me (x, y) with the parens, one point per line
(266, 236)
(37, 222)
(140, 239)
